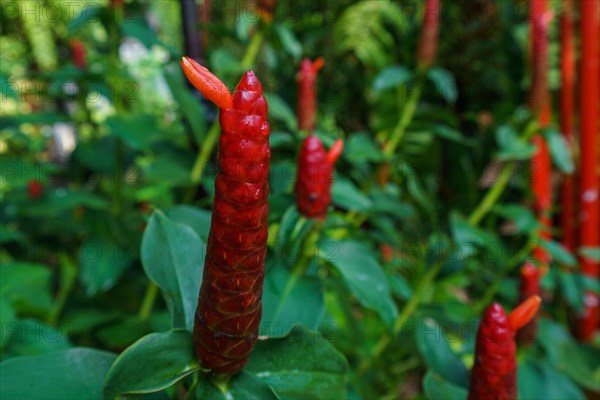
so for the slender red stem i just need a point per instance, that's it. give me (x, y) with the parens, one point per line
(589, 231)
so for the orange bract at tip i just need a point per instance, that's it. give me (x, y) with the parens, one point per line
(318, 64)
(524, 312)
(335, 151)
(207, 83)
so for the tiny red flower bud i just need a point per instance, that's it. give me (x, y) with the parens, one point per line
(429, 34)
(79, 57)
(35, 190)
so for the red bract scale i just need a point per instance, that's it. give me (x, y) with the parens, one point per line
(307, 93)
(229, 305)
(79, 58)
(494, 373)
(35, 190)
(315, 174)
(429, 34)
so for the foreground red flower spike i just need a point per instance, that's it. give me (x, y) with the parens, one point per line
(429, 34)
(315, 174)
(229, 304)
(589, 185)
(307, 93)
(494, 374)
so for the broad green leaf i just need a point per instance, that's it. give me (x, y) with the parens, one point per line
(138, 131)
(152, 364)
(435, 349)
(29, 337)
(437, 388)
(540, 381)
(451, 134)
(166, 168)
(26, 287)
(364, 277)
(568, 356)
(173, 257)
(360, 147)
(289, 299)
(391, 77)
(523, 219)
(72, 374)
(302, 365)
(346, 195)
(102, 264)
(558, 252)
(560, 151)
(196, 218)
(242, 386)
(61, 200)
(444, 83)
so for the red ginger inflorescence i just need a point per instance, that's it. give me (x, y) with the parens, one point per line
(494, 373)
(429, 34)
(529, 285)
(315, 175)
(307, 93)
(229, 305)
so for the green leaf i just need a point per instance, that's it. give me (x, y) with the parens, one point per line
(568, 356)
(137, 131)
(30, 337)
(102, 264)
(190, 106)
(540, 381)
(560, 151)
(436, 388)
(558, 252)
(152, 364)
(391, 77)
(72, 374)
(452, 135)
(591, 253)
(511, 147)
(360, 147)
(196, 218)
(282, 294)
(289, 41)
(173, 258)
(465, 235)
(62, 200)
(524, 220)
(364, 277)
(242, 386)
(435, 349)
(26, 287)
(279, 110)
(444, 83)
(571, 290)
(299, 366)
(346, 195)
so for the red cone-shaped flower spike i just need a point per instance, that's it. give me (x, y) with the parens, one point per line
(229, 305)
(315, 174)
(307, 93)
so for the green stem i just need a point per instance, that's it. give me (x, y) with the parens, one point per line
(408, 112)
(68, 275)
(252, 50)
(148, 302)
(492, 196)
(405, 314)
